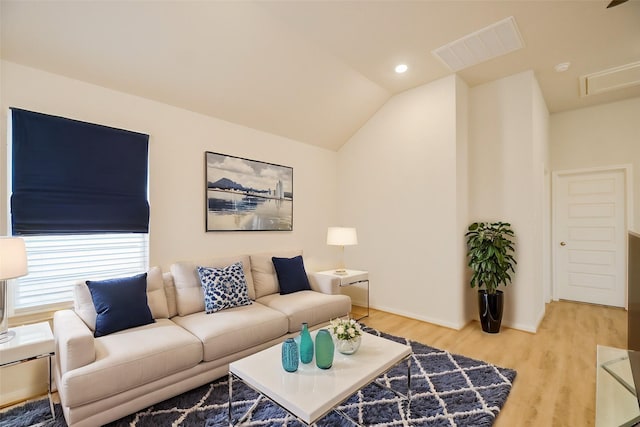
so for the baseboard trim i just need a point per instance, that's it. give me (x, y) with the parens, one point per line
(513, 325)
(435, 321)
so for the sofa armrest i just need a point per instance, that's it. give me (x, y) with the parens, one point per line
(74, 341)
(325, 284)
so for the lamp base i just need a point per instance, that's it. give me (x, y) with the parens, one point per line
(7, 336)
(340, 272)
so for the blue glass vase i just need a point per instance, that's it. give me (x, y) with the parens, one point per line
(290, 355)
(306, 344)
(324, 349)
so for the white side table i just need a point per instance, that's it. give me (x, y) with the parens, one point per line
(30, 343)
(351, 277)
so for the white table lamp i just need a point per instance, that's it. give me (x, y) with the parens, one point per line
(13, 263)
(342, 236)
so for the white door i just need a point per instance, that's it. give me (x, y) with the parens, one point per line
(590, 237)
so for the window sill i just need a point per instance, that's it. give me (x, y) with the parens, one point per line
(37, 315)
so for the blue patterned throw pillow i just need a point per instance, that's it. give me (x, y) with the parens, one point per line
(223, 287)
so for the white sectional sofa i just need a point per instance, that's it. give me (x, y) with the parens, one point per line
(102, 379)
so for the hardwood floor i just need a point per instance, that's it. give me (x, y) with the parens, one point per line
(556, 381)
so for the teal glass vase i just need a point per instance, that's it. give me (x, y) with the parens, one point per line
(306, 344)
(324, 349)
(290, 358)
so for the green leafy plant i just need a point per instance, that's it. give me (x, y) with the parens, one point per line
(490, 252)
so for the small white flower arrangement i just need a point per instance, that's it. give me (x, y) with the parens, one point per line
(345, 329)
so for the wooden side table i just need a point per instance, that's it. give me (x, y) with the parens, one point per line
(350, 278)
(31, 342)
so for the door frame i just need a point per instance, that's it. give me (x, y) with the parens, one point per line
(627, 170)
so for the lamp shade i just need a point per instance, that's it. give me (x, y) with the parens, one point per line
(13, 258)
(342, 236)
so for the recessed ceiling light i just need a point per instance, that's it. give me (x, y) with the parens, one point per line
(562, 67)
(401, 68)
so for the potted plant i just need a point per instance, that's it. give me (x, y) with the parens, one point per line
(490, 252)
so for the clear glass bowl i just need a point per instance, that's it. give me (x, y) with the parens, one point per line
(348, 346)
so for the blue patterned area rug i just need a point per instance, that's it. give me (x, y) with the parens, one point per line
(446, 390)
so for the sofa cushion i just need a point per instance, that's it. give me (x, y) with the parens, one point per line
(120, 303)
(265, 280)
(156, 297)
(157, 301)
(170, 293)
(189, 294)
(291, 274)
(83, 305)
(235, 329)
(223, 287)
(308, 306)
(129, 359)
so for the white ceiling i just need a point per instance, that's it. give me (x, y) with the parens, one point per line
(313, 71)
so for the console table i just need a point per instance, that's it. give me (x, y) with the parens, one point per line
(616, 403)
(31, 342)
(349, 278)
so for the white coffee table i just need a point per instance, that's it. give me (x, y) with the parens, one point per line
(310, 393)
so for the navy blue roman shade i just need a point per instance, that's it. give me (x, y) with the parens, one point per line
(76, 177)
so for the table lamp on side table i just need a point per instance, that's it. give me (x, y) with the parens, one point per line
(13, 263)
(342, 236)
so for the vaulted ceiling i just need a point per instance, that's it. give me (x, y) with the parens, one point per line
(312, 71)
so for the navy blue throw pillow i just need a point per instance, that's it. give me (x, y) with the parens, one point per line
(120, 303)
(291, 275)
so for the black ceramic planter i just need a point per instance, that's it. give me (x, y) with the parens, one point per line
(490, 306)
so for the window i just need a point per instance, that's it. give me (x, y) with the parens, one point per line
(79, 200)
(58, 262)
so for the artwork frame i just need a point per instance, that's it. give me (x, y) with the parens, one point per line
(247, 195)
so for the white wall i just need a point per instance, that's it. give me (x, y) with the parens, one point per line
(469, 305)
(178, 140)
(604, 135)
(542, 186)
(399, 186)
(430, 161)
(507, 152)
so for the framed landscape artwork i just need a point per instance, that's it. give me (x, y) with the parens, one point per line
(247, 195)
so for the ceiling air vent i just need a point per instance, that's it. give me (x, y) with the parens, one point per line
(495, 40)
(611, 79)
